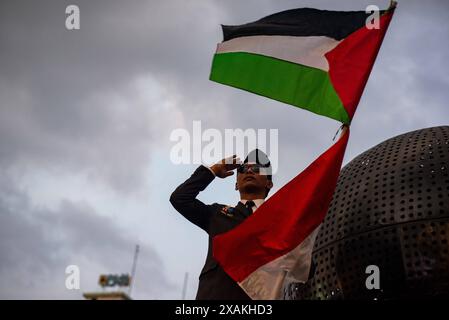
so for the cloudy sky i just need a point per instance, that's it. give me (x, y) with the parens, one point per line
(86, 118)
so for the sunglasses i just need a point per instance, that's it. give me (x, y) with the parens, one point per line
(244, 168)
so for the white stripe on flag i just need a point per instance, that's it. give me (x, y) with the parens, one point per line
(267, 282)
(308, 51)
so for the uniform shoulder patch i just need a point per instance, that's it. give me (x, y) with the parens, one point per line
(227, 211)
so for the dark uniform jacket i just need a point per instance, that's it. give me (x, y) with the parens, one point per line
(214, 283)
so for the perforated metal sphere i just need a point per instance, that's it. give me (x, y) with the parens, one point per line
(390, 209)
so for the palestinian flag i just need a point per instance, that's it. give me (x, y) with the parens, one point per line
(275, 242)
(314, 59)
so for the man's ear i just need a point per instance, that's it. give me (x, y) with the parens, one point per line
(236, 186)
(269, 184)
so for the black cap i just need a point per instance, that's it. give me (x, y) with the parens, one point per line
(259, 157)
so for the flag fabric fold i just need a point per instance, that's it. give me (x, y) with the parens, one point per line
(317, 60)
(276, 241)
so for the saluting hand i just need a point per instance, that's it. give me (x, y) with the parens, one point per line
(225, 167)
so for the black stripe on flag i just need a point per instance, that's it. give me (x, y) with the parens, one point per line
(302, 22)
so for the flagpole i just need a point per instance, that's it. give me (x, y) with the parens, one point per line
(133, 270)
(393, 4)
(345, 128)
(342, 129)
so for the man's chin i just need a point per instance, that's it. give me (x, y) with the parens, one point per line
(249, 183)
(250, 187)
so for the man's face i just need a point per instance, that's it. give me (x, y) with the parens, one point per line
(252, 182)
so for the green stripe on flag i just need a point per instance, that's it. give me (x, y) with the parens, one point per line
(305, 87)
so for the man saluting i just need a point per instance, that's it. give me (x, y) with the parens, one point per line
(254, 181)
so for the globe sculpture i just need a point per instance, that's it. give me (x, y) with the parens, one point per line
(389, 218)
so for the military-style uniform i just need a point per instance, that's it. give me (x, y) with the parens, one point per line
(216, 218)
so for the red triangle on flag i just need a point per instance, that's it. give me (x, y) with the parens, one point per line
(350, 62)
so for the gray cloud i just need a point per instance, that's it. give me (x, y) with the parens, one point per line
(37, 244)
